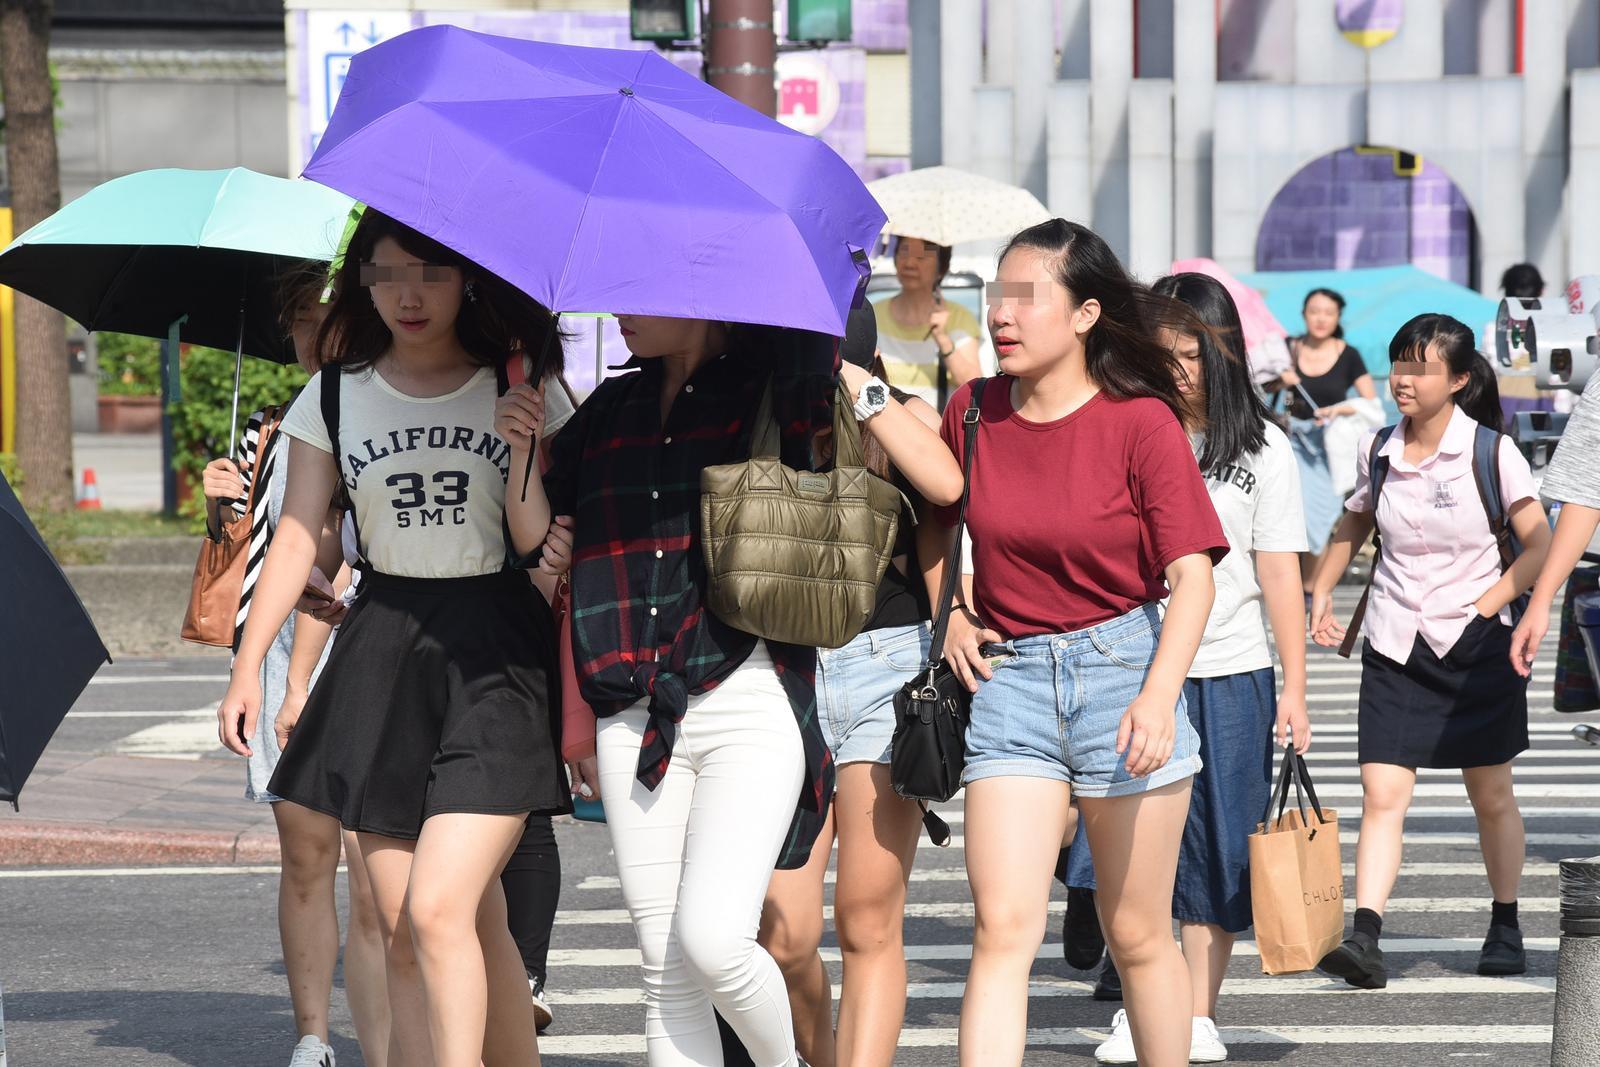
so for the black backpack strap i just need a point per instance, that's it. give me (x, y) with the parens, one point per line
(1377, 474)
(1486, 476)
(332, 377)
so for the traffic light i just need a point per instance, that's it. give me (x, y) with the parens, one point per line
(819, 20)
(661, 20)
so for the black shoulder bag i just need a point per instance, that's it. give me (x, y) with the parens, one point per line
(929, 751)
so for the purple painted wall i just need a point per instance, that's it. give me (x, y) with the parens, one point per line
(1350, 209)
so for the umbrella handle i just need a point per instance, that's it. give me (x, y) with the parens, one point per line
(544, 356)
(238, 368)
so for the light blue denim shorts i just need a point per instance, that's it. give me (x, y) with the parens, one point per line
(856, 685)
(1053, 707)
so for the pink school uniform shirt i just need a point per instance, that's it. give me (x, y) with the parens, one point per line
(1439, 555)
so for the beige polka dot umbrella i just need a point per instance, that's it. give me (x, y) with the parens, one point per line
(948, 206)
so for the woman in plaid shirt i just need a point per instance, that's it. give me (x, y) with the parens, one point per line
(713, 766)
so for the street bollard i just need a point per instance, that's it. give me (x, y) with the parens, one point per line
(1576, 1041)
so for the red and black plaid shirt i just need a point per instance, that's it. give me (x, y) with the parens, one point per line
(640, 627)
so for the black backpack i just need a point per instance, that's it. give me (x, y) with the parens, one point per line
(1485, 475)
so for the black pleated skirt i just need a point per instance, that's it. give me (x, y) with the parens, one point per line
(1467, 709)
(440, 695)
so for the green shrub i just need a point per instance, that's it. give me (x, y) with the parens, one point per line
(9, 468)
(200, 419)
(129, 365)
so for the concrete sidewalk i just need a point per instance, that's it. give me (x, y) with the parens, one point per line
(134, 775)
(107, 810)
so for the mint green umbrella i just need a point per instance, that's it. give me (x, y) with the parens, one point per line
(191, 255)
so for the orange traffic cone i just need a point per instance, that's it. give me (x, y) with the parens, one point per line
(89, 494)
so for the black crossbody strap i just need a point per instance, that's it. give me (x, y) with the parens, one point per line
(952, 563)
(332, 376)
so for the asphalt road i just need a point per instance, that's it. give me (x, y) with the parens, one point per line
(147, 968)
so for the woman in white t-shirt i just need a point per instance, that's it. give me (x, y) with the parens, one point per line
(1250, 471)
(433, 731)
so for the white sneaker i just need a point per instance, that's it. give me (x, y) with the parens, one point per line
(1205, 1044)
(542, 1015)
(312, 1051)
(1118, 1048)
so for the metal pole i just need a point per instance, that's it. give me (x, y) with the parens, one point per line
(1576, 1039)
(171, 394)
(742, 52)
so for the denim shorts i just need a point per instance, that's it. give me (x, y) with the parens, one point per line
(856, 685)
(1054, 705)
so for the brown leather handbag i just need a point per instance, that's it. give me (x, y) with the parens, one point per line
(218, 583)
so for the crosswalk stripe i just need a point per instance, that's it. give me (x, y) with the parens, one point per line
(1565, 754)
(1051, 988)
(945, 1037)
(1520, 770)
(958, 909)
(1051, 950)
(1539, 729)
(1420, 811)
(1352, 822)
(601, 882)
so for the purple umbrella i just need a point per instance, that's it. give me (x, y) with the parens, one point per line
(599, 179)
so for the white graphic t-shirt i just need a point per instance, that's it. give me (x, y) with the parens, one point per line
(1258, 501)
(427, 475)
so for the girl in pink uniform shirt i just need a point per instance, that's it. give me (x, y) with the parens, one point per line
(1437, 686)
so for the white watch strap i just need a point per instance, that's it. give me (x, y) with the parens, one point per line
(864, 408)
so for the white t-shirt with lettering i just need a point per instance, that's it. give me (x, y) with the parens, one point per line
(427, 475)
(1258, 501)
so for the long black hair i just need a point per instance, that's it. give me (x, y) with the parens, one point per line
(1236, 415)
(1338, 300)
(1457, 349)
(498, 320)
(1123, 350)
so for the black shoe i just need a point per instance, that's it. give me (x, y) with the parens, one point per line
(1109, 985)
(1359, 961)
(1082, 943)
(1502, 952)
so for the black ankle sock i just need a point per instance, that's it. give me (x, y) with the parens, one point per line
(1504, 914)
(1369, 922)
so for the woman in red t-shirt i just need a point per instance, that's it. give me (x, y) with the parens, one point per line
(1086, 509)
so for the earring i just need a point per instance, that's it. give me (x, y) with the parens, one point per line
(470, 292)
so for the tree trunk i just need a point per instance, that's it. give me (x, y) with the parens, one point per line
(44, 408)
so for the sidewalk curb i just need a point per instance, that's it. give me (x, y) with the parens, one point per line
(43, 843)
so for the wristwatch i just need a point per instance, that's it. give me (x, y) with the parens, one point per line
(873, 398)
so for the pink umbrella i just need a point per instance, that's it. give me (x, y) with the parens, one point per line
(1264, 336)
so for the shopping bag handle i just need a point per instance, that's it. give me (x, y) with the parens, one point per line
(1293, 770)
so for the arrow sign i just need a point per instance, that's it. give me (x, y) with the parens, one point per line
(345, 30)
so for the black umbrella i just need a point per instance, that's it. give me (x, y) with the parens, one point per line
(49, 648)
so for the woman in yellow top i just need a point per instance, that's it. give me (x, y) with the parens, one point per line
(929, 348)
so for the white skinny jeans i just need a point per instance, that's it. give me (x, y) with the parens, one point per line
(695, 857)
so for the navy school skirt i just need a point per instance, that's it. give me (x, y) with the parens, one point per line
(1468, 709)
(440, 695)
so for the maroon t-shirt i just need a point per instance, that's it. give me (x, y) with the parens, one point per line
(1073, 522)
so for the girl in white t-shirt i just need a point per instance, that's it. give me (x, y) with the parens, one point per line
(433, 731)
(1230, 691)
